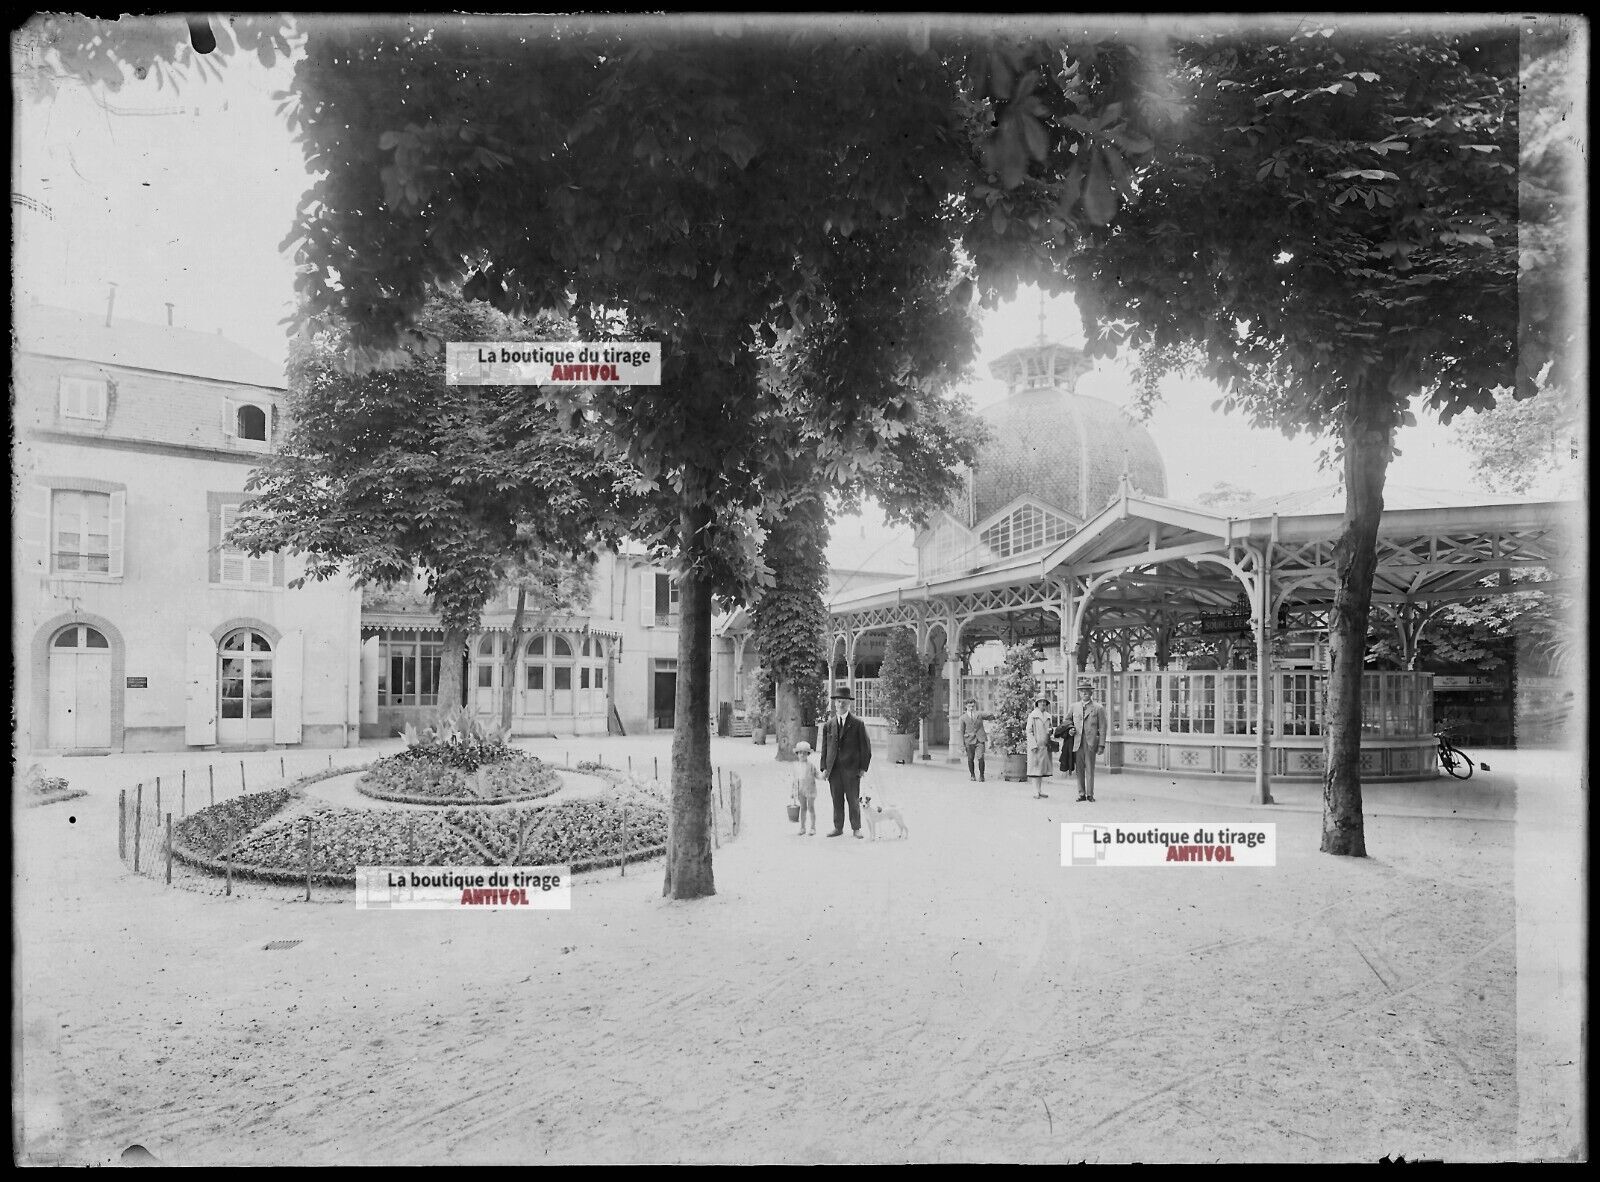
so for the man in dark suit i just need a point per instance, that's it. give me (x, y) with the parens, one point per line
(846, 754)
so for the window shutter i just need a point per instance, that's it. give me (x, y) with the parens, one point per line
(370, 657)
(35, 530)
(119, 513)
(214, 549)
(647, 598)
(287, 677)
(200, 714)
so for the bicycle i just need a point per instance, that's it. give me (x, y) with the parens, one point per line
(1452, 759)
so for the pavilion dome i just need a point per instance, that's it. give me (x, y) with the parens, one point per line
(1065, 449)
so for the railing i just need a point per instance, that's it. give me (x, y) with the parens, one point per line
(1223, 702)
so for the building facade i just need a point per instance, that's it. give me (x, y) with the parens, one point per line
(610, 667)
(134, 627)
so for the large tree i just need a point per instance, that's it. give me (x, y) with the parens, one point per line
(724, 195)
(1328, 227)
(385, 472)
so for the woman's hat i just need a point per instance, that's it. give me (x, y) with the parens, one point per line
(1041, 698)
(842, 694)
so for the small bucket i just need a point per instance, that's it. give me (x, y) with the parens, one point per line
(794, 812)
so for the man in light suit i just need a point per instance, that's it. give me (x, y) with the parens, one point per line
(1090, 719)
(846, 754)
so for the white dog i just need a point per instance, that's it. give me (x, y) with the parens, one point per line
(873, 813)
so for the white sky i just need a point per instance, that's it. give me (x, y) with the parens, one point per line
(185, 198)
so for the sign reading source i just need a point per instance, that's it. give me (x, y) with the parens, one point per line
(552, 363)
(1155, 844)
(464, 888)
(138, 683)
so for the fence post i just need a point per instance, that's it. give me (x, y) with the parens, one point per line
(227, 857)
(655, 761)
(211, 782)
(183, 793)
(719, 783)
(625, 833)
(243, 787)
(282, 775)
(330, 761)
(736, 801)
(158, 798)
(169, 849)
(309, 823)
(630, 765)
(411, 839)
(122, 824)
(711, 811)
(138, 822)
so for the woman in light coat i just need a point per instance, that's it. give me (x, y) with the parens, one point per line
(1039, 745)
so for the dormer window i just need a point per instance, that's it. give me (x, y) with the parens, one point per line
(83, 398)
(250, 422)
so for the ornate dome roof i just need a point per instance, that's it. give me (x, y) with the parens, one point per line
(1066, 449)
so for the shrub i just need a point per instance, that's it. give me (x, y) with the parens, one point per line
(1017, 687)
(905, 683)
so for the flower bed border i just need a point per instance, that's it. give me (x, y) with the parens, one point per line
(457, 802)
(277, 874)
(57, 797)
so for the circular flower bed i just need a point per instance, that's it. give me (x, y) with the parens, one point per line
(585, 834)
(423, 775)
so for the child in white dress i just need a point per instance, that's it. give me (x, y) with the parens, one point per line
(806, 772)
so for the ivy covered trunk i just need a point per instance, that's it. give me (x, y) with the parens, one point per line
(508, 669)
(1368, 438)
(450, 687)
(787, 719)
(688, 871)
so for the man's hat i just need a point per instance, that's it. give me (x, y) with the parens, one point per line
(1086, 684)
(842, 694)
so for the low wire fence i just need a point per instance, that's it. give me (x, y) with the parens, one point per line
(149, 812)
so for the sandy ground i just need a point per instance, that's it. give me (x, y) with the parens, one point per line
(957, 996)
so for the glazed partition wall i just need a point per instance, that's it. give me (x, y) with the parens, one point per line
(1223, 702)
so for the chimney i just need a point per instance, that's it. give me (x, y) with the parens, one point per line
(111, 301)
(169, 315)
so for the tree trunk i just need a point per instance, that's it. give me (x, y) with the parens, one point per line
(786, 720)
(455, 644)
(1368, 439)
(508, 671)
(688, 871)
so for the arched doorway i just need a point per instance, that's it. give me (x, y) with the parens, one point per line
(244, 687)
(80, 688)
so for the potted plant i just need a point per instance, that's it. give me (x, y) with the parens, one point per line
(1017, 691)
(761, 708)
(813, 693)
(907, 691)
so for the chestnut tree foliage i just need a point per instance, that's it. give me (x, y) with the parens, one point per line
(385, 472)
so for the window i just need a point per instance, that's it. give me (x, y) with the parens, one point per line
(1026, 529)
(535, 677)
(411, 669)
(583, 678)
(83, 398)
(563, 677)
(81, 636)
(666, 601)
(238, 567)
(251, 423)
(80, 531)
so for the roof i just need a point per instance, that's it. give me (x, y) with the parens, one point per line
(1329, 498)
(135, 344)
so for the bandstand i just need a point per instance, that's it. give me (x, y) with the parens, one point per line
(1032, 562)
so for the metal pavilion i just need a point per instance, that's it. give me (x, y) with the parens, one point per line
(1145, 566)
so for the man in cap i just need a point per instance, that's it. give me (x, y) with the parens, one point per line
(974, 738)
(846, 754)
(1090, 719)
(1039, 745)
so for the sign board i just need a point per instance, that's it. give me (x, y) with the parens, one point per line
(138, 683)
(1211, 625)
(1467, 681)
